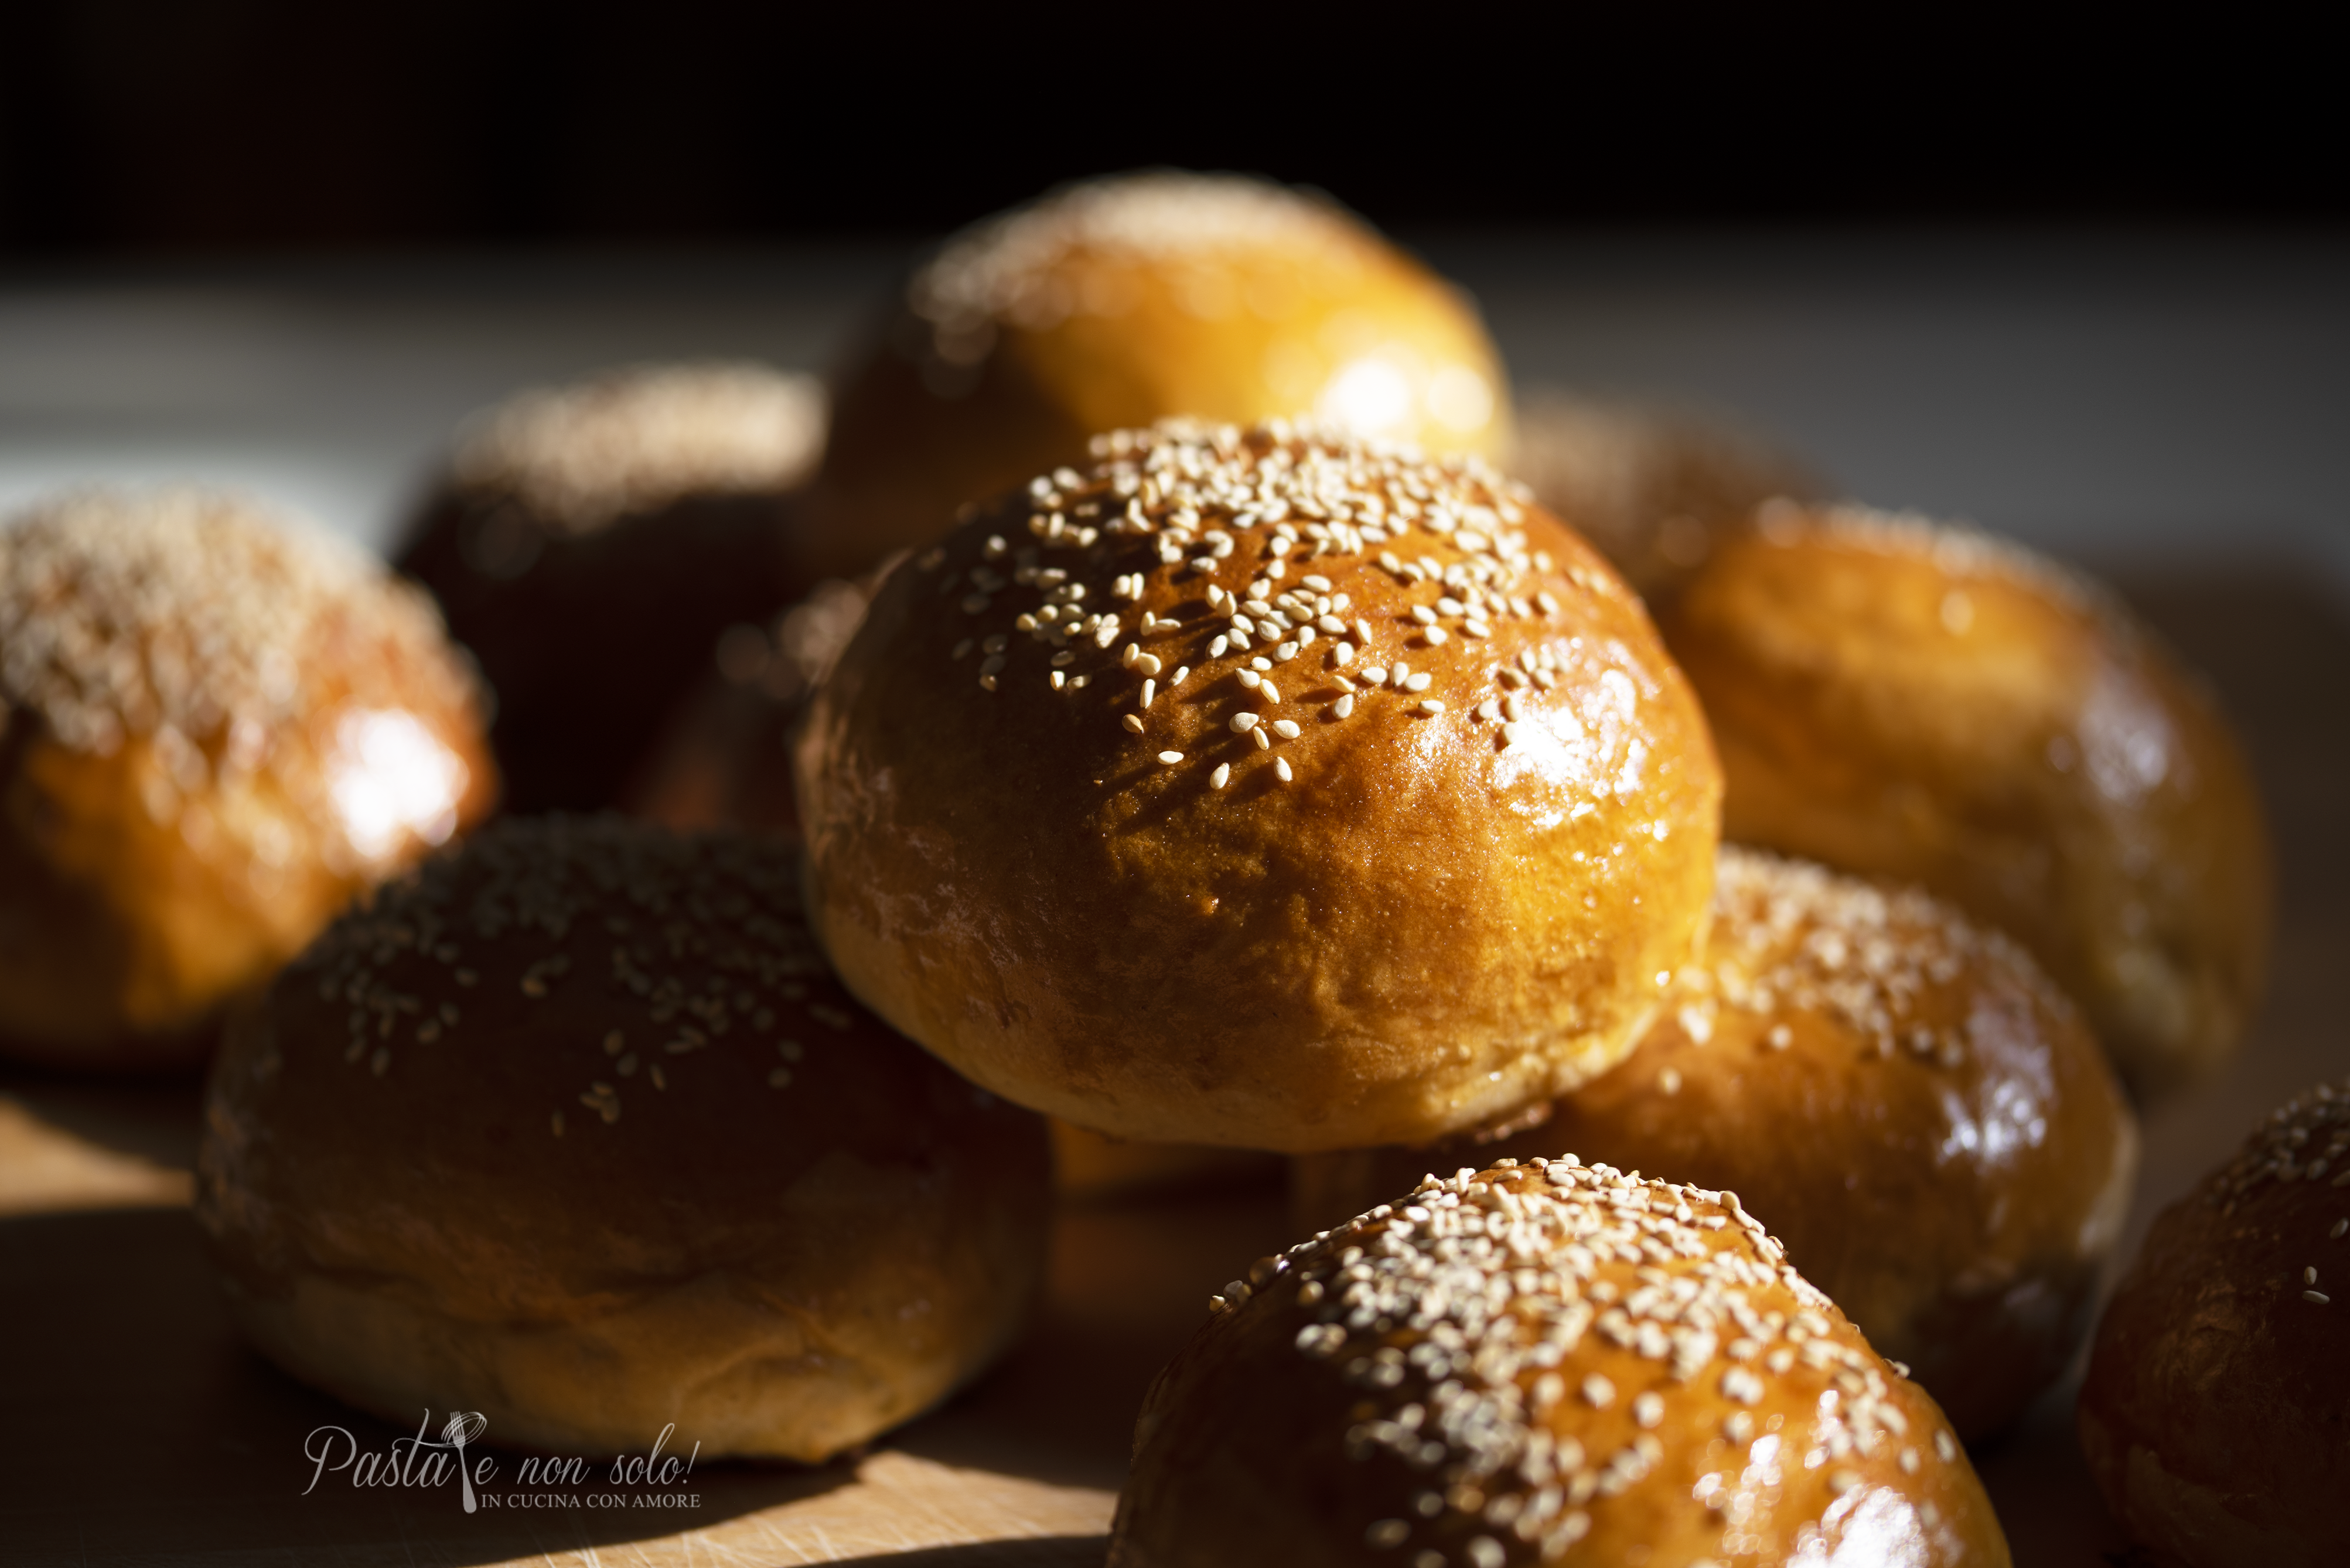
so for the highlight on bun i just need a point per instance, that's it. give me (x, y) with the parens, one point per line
(214, 730)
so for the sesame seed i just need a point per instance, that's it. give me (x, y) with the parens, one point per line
(1150, 690)
(1216, 648)
(1423, 615)
(1286, 728)
(1418, 680)
(1346, 705)
(961, 648)
(1649, 1410)
(1510, 734)
(1431, 706)
(1132, 721)
(1244, 723)
(1343, 655)
(2316, 1298)
(1247, 677)
(1181, 670)
(1266, 692)
(1363, 633)
(2309, 1275)
(1670, 1081)
(2340, 1228)
(1169, 759)
(1374, 674)
(1221, 776)
(1264, 741)
(1281, 769)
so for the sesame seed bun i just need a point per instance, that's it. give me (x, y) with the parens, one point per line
(573, 1127)
(1651, 488)
(1919, 1114)
(1431, 861)
(589, 542)
(1908, 699)
(214, 731)
(1116, 302)
(1545, 1362)
(2216, 1416)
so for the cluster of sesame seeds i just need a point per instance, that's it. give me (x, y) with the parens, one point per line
(2306, 1141)
(634, 440)
(193, 620)
(1454, 1315)
(1788, 934)
(1009, 268)
(1164, 514)
(696, 942)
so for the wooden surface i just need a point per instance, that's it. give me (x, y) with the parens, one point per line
(135, 1428)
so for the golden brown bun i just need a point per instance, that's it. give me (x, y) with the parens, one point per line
(1921, 1118)
(1653, 489)
(214, 731)
(574, 1128)
(1907, 700)
(1542, 1363)
(1115, 303)
(1051, 847)
(2216, 1416)
(589, 543)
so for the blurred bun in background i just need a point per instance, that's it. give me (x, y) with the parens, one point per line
(589, 543)
(2215, 1414)
(1113, 303)
(1906, 699)
(214, 730)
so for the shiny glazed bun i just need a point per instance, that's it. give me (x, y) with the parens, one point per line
(573, 1127)
(1117, 302)
(1542, 1363)
(1267, 789)
(213, 731)
(1907, 700)
(1927, 1123)
(589, 543)
(1652, 490)
(2216, 1416)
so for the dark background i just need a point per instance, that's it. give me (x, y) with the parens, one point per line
(251, 126)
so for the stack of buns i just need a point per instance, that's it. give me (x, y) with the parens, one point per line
(1156, 701)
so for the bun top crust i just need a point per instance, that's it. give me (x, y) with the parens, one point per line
(1541, 1362)
(1115, 303)
(578, 1062)
(2213, 1412)
(196, 622)
(636, 440)
(1264, 787)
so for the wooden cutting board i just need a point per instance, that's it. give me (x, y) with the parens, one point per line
(136, 1429)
